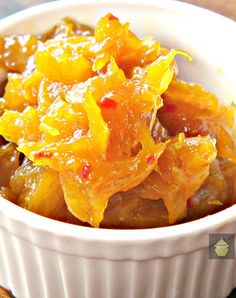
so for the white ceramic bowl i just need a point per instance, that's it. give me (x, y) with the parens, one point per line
(42, 258)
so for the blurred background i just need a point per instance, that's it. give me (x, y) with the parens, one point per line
(225, 7)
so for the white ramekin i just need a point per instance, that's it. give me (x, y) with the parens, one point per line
(43, 258)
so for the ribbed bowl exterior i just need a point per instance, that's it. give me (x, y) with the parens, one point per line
(37, 265)
(41, 258)
(33, 271)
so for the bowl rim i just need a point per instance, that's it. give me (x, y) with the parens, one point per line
(55, 227)
(115, 235)
(179, 6)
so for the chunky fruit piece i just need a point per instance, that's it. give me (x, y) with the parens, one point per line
(64, 60)
(9, 162)
(66, 28)
(3, 82)
(218, 190)
(183, 160)
(125, 211)
(228, 168)
(20, 127)
(87, 198)
(38, 190)
(198, 112)
(21, 91)
(15, 51)
(6, 193)
(114, 39)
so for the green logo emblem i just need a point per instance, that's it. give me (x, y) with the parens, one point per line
(221, 248)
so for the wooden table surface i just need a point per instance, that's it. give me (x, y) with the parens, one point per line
(224, 7)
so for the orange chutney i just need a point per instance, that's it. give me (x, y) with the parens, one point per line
(96, 129)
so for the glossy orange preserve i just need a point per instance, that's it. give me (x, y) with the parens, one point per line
(97, 129)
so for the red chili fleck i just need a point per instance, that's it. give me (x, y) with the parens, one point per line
(169, 107)
(150, 159)
(108, 103)
(191, 202)
(43, 154)
(195, 132)
(111, 17)
(86, 171)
